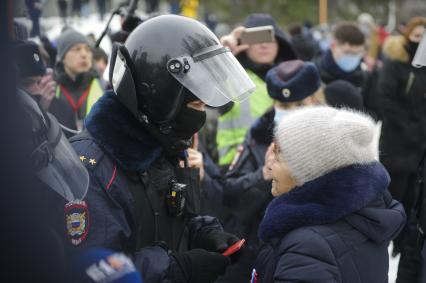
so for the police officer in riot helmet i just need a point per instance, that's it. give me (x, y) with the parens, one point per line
(143, 199)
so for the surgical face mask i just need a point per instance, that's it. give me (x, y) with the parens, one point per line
(279, 114)
(349, 62)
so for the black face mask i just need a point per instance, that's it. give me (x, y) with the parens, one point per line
(187, 122)
(412, 48)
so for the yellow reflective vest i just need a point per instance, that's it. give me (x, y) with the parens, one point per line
(234, 124)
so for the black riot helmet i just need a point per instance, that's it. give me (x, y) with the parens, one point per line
(169, 59)
(52, 158)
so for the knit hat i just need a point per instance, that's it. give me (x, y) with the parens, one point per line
(28, 59)
(315, 141)
(67, 40)
(292, 81)
(102, 265)
(343, 94)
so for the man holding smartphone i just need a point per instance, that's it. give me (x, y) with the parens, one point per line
(257, 58)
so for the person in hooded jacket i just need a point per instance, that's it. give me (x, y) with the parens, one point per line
(291, 84)
(332, 217)
(144, 197)
(404, 122)
(257, 59)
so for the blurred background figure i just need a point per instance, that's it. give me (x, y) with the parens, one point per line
(78, 83)
(151, 6)
(304, 43)
(402, 87)
(34, 10)
(101, 8)
(100, 59)
(343, 59)
(63, 10)
(371, 32)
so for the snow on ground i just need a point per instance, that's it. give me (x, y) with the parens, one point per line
(393, 265)
(87, 25)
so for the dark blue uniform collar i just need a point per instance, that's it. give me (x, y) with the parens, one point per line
(121, 135)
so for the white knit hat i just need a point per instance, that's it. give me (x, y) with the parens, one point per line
(317, 140)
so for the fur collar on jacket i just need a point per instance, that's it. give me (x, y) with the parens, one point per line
(324, 200)
(121, 135)
(394, 48)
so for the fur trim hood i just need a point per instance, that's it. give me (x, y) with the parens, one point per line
(394, 48)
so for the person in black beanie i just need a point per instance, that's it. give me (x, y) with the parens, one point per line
(35, 79)
(342, 94)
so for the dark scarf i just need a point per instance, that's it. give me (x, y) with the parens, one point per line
(262, 130)
(259, 69)
(330, 71)
(121, 135)
(75, 87)
(324, 200)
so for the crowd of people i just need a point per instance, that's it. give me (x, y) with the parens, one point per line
(309, 151)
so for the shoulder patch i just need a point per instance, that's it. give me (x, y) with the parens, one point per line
(77, 221)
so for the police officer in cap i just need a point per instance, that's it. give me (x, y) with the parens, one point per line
(143, 199)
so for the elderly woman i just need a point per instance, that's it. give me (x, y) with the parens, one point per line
(332, 217)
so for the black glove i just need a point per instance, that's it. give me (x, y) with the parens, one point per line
(215, 240)
(201, 266)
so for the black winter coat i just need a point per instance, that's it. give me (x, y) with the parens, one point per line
(246, 193)
(403, 92)
(329, 231)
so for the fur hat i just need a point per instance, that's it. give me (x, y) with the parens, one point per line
(292, 81)
(28, 59)
(314, 141)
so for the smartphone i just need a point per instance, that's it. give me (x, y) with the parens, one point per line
(234, 248)
(257, 35)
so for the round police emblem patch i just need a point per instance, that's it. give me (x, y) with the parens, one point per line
(77, 221)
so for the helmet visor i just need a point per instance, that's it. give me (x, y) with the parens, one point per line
(65, 173)
(214, 76)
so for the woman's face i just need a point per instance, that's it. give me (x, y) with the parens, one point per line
(417, 33)
(263, 53)
(282, 180)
